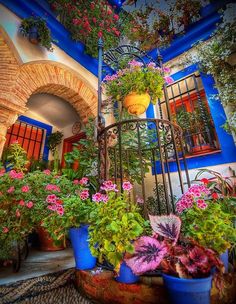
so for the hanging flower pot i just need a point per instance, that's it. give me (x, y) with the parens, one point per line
(34, 35)
(136, 104)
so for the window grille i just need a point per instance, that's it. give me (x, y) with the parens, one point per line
(189, 109)
(30, 137)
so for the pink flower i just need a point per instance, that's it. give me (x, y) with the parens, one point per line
(47, 172)
(84, 195)
(25, 188)
(168, 79)
(13, 174)
(139, 200)
(52, 207)
(17, 213)
(127, 186)
(51, 198)
(5, 229)
(166, 70)
(105, 198)
(134, 63)
(201, 204)
(109, 186)
(51, 187)
(2, 172)
(97, 197)
(29, 204)
(21, 203)
(83, 181)
(60, 210)
(75, 181)
(11, 189)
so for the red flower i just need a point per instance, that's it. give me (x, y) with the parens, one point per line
(205, 181)
(215, 195)
(116, 17)
(94, 20)
(99, 34)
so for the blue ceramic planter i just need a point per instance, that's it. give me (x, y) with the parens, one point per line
(188, 291)
(126, 275)
(84, 260)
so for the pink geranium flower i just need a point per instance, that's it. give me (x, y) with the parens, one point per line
(84, 194)
(52, 207)
(105, 198)
(5, 229)
(29, 204)
(13, 174)
(2, 172)
(75, 181)
(21, 203)
(18, 214)
(109, 186)
(51, 198)
(51, 187)
(127, 186)
(60, 210)
(83, 181)
(11, 189)
(25, 189)
(47, 172)
(97, 197)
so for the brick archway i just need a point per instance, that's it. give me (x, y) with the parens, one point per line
(19, 81)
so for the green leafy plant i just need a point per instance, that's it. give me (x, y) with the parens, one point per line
(117, 223)
(213, 58)
(135, 78)
(16, 157)
(204, 219)
(39, 23)
(53, 141)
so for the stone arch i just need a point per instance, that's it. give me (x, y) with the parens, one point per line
(19, 81)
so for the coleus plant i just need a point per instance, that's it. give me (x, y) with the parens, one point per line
(175, 255)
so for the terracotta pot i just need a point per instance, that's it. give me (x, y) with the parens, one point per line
(46, 242)
(136, 104)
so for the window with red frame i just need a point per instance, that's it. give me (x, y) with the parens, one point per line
(30, 137)
(189, 109)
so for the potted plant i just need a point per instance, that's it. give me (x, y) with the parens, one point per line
(216, 205)
(53, 141)
(117, 223)
(16, 209)
(15, 157)
(75, 220)
(37, 31)
(186, 265)
(133, 87)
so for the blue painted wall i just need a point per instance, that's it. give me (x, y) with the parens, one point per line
(42, 125)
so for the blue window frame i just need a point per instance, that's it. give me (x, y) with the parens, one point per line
(227, 153)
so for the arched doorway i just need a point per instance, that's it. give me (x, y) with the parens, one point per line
(19, 81)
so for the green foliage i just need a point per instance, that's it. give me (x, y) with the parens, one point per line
(44, 34)
(86, 153)
(211, 227)
(16, 157)
(53, 141)
(213, 58)
(116, 224)
(76, 212)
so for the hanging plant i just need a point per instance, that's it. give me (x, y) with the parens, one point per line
(37, 31)
(88, 20)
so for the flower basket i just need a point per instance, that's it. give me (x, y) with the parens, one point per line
(136, 104)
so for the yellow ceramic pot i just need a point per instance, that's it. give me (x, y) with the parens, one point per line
(136, 104)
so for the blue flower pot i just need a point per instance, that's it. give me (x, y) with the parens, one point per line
(224, 257)
(188, 291)
(33, 35)
(84, 260)
(126, 275)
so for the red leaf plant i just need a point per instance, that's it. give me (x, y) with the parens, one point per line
(173, 254)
